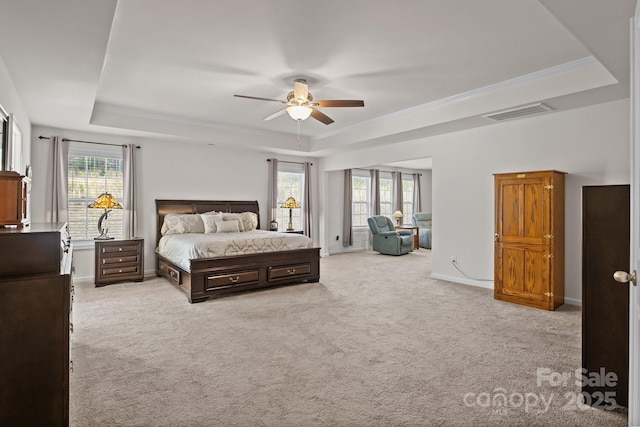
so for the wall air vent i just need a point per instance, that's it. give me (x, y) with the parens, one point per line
(514, 113)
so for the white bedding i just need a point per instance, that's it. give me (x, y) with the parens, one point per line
(181, 248)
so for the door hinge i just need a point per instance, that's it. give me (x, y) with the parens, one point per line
(548, 256)
(548, 294)
(548, 187)
(548, 236)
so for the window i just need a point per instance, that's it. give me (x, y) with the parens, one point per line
(386, 204)
(93, 171)
(290, 184)
(407, 197)
(361, 190)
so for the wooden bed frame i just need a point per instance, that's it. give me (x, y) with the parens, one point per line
(210, 277)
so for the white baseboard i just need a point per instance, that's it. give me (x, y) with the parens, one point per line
(489, 285)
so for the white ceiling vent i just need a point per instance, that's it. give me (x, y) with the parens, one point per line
(527, 110)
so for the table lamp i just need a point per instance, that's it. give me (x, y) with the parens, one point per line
(398, 216)
(107, 202)
(290, 203)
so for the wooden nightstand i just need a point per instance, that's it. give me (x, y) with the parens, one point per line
(119, 261)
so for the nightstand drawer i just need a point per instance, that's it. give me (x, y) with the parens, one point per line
(120, 259)
(120, 270)
(289, 271)
(227, 280)
(115, 249)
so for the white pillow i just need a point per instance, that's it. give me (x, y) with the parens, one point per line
(248, 220)
(227, 226)
(209, 220)
(182, 223)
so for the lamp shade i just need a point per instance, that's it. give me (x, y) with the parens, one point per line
(291, 203)
(105, 201)
(299, 112)
(398, 214)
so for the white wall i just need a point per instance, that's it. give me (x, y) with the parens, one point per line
(168, 170)
(591, 144)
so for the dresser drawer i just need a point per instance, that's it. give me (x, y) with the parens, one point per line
(234, 279)
(120, 259)
(284, 271)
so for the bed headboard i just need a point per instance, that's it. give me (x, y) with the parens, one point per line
(164, 207)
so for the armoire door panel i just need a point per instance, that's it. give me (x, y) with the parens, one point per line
(533, 216)
(525, 271)
(510, 210)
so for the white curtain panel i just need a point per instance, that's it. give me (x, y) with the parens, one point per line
(417, 197)
(56, 200)
(375, 192)
(272, 191)
(130, 202)
(347, 233)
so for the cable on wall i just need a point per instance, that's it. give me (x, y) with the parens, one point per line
(455, 264)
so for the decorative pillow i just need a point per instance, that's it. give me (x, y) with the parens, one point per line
(227, 226)
(248, 220)
(209, 220)
(182, 223)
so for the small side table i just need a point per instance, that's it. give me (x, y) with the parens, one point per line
(292, 231)
(416, 234)
(120, 260)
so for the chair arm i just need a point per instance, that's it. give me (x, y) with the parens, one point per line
(404, 232)
(388, 233)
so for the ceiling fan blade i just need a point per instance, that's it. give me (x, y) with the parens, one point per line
(276, 114)
(300, 90)
(321, 117)
(261, 99)
(339, 103)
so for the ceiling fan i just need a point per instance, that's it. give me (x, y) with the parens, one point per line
(300, 104)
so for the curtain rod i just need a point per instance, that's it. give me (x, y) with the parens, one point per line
(369, 170)
(88, 142)
(295, 163)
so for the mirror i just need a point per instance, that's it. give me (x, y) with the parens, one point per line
(4, 135)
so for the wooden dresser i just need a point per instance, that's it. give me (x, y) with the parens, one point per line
(35, 325)
(529, 238)
(119, 261)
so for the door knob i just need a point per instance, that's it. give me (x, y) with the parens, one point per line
(624, 277)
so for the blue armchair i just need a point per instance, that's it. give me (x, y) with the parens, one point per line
(423, 220)
(388, 241)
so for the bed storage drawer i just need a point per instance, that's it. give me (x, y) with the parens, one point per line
(218, 281)
(173, 274)
(287, 271)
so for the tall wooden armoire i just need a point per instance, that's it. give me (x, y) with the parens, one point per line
(529, 238)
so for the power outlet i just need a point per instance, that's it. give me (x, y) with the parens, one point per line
(454, 259)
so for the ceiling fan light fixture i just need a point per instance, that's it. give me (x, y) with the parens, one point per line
(299, 112)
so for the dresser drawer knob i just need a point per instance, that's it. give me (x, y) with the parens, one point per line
(119, 259)
(292, 271)
(119, 271)
(120, 249)
(234, 279)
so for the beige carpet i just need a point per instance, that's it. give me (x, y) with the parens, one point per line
(375, 343)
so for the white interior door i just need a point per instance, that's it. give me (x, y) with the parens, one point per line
(634, 309)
